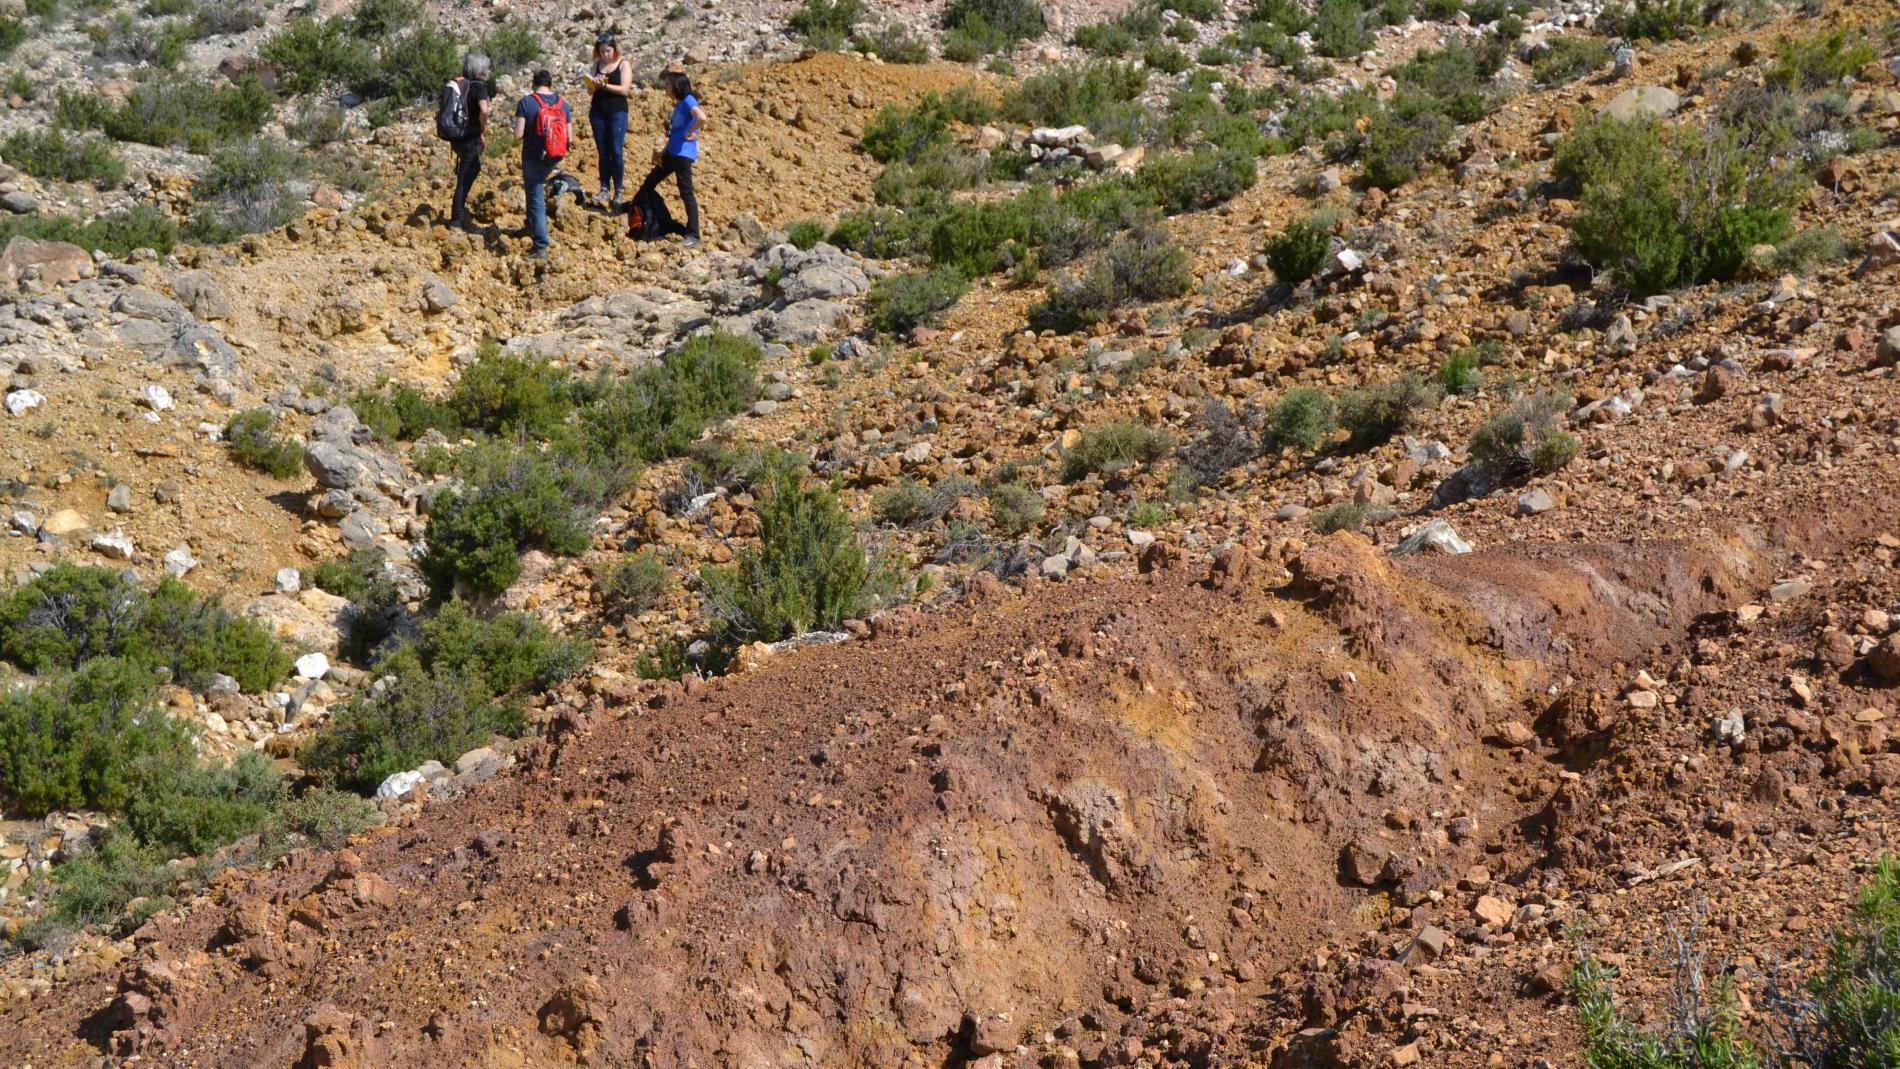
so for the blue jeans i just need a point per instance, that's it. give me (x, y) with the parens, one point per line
(610, 140)
(534, 178)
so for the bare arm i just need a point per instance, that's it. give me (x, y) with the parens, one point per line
(625, 67)
(521, 128)
(699, 120)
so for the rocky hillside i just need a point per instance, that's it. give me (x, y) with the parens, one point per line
(1176, 534)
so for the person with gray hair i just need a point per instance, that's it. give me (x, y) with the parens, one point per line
(461, 120)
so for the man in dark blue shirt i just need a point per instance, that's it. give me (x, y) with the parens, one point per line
(537, 162)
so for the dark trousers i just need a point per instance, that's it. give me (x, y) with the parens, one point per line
(468, 167)
(610, 140)
(682, 168)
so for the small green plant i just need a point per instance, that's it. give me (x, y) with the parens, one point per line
(899, 303)
(1820, 62)
(1345, 516)
(827, 24)
(976, 28)
(1147, 514)
(1198, 180)
(1303, 419)
(1401, 140)
(1339, 29)
(1143, 266)
(632, 584)
(77, 740)
(1567, 59)
(1114, 448)
(1462, 372)
(911, 504)
(254, 443)
(50, 154)
(175, 110)
(117, 234)
(512, 394)
(1299, 252)
(1804, 251)
(807, 572)
(1524, 439)
(894, 44)
(806, 233)
(1015, 509)
(246, 189)
(1653, 20)
(511, 46)
(98, 888)
(461, 681)
(1373, 415)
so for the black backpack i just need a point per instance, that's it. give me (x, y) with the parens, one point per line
(451, 113)
(650, 219)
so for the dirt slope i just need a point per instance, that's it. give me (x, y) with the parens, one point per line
(1067, 812)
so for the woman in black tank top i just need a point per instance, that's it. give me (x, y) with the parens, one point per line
(609, 81)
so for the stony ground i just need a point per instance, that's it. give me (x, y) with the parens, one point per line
(1247, 796)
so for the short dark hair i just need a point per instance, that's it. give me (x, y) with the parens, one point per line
(678, 84)
(543, 80)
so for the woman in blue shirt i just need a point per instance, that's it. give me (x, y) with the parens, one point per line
(682, 148)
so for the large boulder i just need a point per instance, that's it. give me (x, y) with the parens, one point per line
(53, 262)
(1643, 102)
(200, 292)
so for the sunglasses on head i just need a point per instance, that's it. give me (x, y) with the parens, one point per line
(604, 39)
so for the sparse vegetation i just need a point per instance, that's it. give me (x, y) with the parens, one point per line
(1015, 509)
(1303, 419)
(50, 154)
(1373, 415)
(911, 504)
(1568, 58)
(1144, 266)
(1524, 439)
(1299, 252)
(827, 24)
(1345, 516)
(806, 233)
(899, 303)
(632, 584)
(1653, 20)
(975, 28)
(254, 443)
(1113, 448)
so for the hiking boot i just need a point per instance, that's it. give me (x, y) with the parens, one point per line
(539, 254)
(690, 242)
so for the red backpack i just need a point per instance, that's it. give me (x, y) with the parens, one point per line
(550, 125)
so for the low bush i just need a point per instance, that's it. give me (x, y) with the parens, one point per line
(1373, 415)
(186, 808)
(1317, 117)
(364, 578)
(1804, 251)
(1015, 509)
(807, 571)
(400, 412)
(632, 584)
(1823, 61)
(1114, 448)
(1462, 372)
(463, 680)
(179, 111)
(50, 154)
(77, 739)
(1345, 516)
(97, 888)
(1848, 1015)
(1400, 140)
(1080, 95)
(1144, 266)
(806, 233)
(13, 34)
(1299, 252)
(1303, 420)
(1653, 20)
(900, 132)
(117, 234)
(894, 44)
(1340, 29)
(1567, 59)
(511, 46)
(512, 497)
(827, 24)
(911, 504)
(1226, 443)
(924, 185)
(382, 49)
(1455, 79)
(1525, 439)
(254, 443)
(70, 616)
(976, 28)
(246, 189)
(1657, 210)
(1197, 180)
(880, 233)
(899, 303)
(511, 394)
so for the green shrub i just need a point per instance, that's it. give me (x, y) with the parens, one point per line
(99, 887)
(1201, 179)
(1317, 117)
(381, 50)
(71, 615)
(880, 233)
(1524, 439)
(894, 44)
(1339, 29)
(1801, 252)
(1703, 1037)
(1456, 79)
(1567, 59)
(661, 409)
(1303, 419)
(1658, 210)
(976, 28)
(400, 412)
(1114, 448)
(1144, 266)
(899, 303)
(827, 24)
(1400, 141)
(924, 185)
(806, 233)
(904, 133)
(76, 740)
(461, 682)
(518, 395)
(310, 53)
(247, 188)
(632, 584)
(1074, 95)
(1823, 61)
(1345, 516)
(1374, 415)
(50, 154)
(253, 443)
(511, 46)
(1461, 372)
(176, 110)
(364, 579)
(910, 504)
(1166, 58)
(324, 817)
(118, 234)
(1851, 1016)
(806, 573)
(1299, 252)
(1015, 509)
(514, 497)
(13, 34)
(1653, 20)
(190, 809)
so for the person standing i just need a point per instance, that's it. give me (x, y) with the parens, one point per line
(462, 120)
(682, 148)
(541, 123)
(609, 82)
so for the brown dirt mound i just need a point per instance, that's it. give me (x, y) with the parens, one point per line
(1107, 815)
